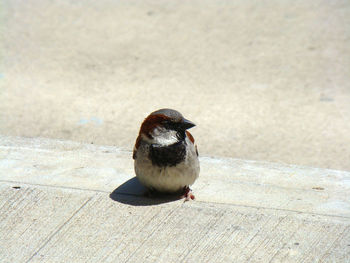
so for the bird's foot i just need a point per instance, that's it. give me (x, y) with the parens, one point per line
(188, 194)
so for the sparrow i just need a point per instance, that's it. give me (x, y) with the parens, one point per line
(165, 155)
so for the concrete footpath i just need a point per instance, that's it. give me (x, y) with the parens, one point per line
(263, 80)
(63, 201)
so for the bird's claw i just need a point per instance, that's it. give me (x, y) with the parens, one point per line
(188, 194)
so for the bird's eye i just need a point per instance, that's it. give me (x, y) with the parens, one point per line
(168, 124)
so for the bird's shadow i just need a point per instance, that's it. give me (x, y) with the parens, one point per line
(132, 192)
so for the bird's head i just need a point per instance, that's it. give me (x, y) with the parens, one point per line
(165, 127)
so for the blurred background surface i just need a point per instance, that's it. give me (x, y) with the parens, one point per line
(263, 80)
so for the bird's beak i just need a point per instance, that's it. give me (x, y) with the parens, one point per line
(186, 124)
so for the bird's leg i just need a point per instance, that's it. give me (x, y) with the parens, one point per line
(188, 195)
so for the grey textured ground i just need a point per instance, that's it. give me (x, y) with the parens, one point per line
(264, 80)
(64, 201)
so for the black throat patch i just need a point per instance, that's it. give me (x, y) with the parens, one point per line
(170, 155)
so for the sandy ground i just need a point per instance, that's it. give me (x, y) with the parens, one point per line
(263, 80)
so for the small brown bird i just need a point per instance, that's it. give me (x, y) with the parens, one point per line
(166, 158)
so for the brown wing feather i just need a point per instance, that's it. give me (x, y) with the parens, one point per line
(137, 144)
(189, 135)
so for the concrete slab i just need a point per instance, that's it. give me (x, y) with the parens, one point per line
(263, 80)
(103, 168)
(64, 201)
(30, 216)
(107, 231)
(45, 229)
